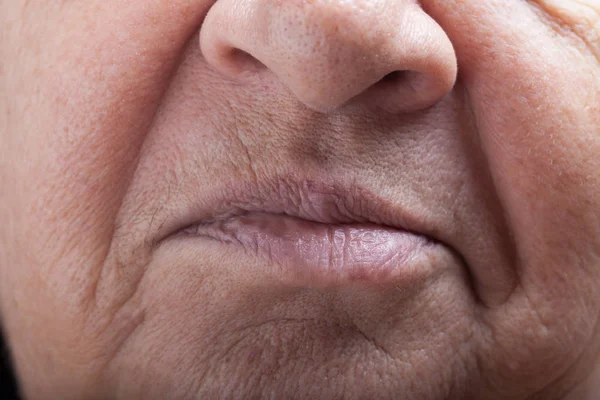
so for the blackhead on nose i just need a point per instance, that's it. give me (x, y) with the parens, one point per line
(386, 53)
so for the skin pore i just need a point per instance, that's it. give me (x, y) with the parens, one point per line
(122, 121)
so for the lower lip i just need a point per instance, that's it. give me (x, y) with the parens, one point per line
(317, 254)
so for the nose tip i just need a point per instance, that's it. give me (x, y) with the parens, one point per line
(387, 54)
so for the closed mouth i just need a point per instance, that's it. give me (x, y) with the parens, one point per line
(319, 235)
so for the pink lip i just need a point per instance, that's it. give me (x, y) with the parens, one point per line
(314, 234)
(321, 254)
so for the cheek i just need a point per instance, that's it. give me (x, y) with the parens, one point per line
(578, 18)
(536, 97)
(83, 95)
(84, 83)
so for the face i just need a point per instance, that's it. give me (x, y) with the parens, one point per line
(300, 199)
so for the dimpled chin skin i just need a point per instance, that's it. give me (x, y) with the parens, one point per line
(119, 117)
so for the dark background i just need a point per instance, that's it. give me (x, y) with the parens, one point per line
(8, 387)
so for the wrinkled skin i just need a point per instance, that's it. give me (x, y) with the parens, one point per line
(117, 114)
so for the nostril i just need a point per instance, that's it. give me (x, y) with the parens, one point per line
(395, 80)
(405, 90)
(244, 61)
(414, 81)
(393, 77)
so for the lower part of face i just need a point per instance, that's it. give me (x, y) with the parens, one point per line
(326, 199)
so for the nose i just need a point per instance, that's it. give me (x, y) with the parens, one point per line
(387, 53)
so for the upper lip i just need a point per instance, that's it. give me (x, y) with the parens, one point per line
(308, 199)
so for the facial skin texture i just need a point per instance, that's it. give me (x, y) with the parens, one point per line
(117, 115)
